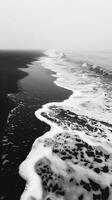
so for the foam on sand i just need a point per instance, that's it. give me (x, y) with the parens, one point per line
(72, 160)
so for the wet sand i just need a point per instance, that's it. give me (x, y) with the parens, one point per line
(29, 89)
(10, 74)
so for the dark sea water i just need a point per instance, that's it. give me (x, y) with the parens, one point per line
(26, 84)
(24, 87)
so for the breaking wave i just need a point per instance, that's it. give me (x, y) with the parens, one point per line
(98, 70)
(72, 160)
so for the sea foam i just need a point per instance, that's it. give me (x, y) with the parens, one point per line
(73, 159)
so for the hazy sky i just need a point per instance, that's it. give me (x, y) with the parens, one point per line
(59, 24)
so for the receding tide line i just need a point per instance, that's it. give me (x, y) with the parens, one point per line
(34, 190)
(33, 187)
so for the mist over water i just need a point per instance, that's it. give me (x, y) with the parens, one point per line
(101, 58)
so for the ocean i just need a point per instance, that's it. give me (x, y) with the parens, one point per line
(58, 137)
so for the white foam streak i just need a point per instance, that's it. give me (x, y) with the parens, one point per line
(26, 170)
(88, 99)
(83, 101)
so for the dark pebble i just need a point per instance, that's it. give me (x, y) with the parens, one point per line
(105, 193)
(85, 185)
(95, 186)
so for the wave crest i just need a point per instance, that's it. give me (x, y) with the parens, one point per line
(54, 54)
(98, 69)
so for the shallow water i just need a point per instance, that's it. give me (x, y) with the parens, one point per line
(40, 84)
(22, 127)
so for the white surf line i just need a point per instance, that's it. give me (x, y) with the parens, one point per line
(62, 80)
(33, 188)
(26, 168)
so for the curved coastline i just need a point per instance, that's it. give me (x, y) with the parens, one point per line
(11, 65)
(39, 151)
(54, 129)
(22, 125)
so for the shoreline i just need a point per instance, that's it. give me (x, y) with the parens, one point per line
(53, 129)
(11, 63)
(26, 168)
(75, 93)
(20, 139)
